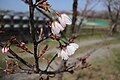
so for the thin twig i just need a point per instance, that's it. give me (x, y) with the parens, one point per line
(39, 10)
(43, 13)
(44, 38)
(18, 58)
(51, 62)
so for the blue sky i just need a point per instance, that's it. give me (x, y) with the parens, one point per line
(60, 5)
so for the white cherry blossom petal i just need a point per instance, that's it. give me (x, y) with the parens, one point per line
(64, 55)
(71, 48)
(59, 26)
(56, 28)
(59, 53)
(69, 51)
(62, 21)
(55, 32)
(66, 19)
(75, 45)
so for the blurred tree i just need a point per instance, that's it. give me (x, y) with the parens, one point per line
(88, 8)
(113, 7)
(74, 18)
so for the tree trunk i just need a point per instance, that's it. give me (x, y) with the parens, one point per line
(74, 18)
(113, 28)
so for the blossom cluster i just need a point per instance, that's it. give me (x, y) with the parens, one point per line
(69, 50)
(56, 27)
(60, 25)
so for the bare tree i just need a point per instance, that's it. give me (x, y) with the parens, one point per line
(113, 7)
(89, 6)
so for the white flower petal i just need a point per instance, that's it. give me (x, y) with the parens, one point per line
(71, 48)
(59, 26)
(59, 53)
(69, 51)
(66, 19)
(62, 21)
(74, 45)
(55, 30)
(55, 27)
(64, 55)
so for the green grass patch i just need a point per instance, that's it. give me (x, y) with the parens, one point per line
(2, 63)
(116, 52)
(90, 36)
(114, 41)
(104, 43)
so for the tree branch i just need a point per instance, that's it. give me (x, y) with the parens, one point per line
(31, 9)
(51, 62)
(43, 13)
(18, 58)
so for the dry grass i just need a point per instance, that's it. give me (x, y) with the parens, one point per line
(105, 68)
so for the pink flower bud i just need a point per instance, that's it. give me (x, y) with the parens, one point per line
(5, 49)
(22, 43)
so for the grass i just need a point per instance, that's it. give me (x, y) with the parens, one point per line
(116, 52)
(103, 68)
(92, 33)
(89, 47)
(2, 63)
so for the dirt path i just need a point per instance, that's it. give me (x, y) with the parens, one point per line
(94, 41)
(81, 44)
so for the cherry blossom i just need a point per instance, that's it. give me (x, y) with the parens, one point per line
(56, 28)
(64, 19)
(71, 48)
(68, 51)
(63, 54)
(5, 49)
(21, 43)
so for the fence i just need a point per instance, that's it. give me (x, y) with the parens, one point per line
(18, 26)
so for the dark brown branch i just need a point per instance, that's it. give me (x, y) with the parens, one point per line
(110, 13)
(39, 10)
(20, 59)
(31, 9)
(74, 18)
